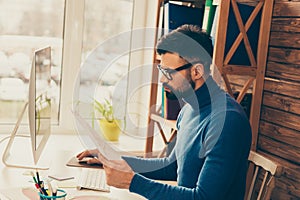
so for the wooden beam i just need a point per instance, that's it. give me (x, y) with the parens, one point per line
(153, 90)
(218, 56)
(227, 83)
(239, 70)
(161, 120)
(262, 52)
(244, 89)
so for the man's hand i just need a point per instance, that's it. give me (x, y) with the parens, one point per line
(93, 153)
(118, 172)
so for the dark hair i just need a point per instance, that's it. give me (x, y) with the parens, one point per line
(190, 42)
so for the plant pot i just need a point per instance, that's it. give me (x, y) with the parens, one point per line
(110, 130)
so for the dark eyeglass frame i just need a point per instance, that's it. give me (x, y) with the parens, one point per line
(167, 72)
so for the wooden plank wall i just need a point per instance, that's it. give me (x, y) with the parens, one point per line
(279, 129)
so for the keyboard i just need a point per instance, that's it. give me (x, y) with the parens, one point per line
(93, 179)
(3, 197)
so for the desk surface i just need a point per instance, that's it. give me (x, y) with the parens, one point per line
(59, 149)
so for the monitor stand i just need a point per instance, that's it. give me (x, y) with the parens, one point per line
(20, 158)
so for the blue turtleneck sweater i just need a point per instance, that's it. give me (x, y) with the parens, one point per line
(209, 160)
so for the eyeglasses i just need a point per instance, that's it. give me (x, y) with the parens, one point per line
(167, 72)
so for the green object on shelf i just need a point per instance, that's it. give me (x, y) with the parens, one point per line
(209, 14)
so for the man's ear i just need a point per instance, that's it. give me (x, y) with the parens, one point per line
(198, 71)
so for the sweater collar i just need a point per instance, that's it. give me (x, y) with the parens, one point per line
(203, 95)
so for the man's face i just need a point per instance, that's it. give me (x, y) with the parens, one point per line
(181, 84)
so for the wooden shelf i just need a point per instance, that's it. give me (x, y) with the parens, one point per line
(163, 121)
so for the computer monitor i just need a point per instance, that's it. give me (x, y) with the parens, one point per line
(39, 102)
(39, 111)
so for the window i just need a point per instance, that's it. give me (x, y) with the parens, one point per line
(74, 29)
(24, 27)
(106, 35)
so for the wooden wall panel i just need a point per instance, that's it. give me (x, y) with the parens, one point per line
(283, 39)
(291, 89)
(282, 194)
(289, 185)
(279, 133)
(281, 118)
(286, 25)
(283, 55)
(287, 152)
(281, 102)
(283, 71)
(286, 9)
(279, 129)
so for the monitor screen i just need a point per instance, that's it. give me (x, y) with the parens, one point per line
(39, 102)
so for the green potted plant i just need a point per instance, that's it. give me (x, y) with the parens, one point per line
(109, 126)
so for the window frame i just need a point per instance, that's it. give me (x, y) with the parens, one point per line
(144, 15)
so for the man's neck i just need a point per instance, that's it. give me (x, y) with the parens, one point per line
(200, 82)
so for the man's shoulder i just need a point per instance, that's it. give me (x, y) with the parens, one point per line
(229, 107)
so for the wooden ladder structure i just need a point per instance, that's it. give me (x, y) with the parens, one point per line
(255, 73)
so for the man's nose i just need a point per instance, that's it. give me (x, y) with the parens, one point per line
(164, 79)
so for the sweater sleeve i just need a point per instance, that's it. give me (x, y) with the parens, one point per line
(154, 168)
(223, 158)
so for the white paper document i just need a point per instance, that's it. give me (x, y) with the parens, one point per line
(89, 135)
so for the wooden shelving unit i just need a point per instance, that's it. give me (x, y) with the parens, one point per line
(256, 70)
(161, 124)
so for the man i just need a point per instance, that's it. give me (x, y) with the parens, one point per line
(209, 160)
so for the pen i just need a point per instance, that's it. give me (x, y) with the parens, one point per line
(38, 177)
(54, 189)
(49, 188)
(42, 187)
(35, 181)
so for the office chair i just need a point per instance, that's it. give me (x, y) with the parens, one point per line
(269, 169)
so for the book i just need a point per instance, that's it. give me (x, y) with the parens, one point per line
(160, 28)
(216, 2)
(208, 17)
(176, 15)
(214, 25)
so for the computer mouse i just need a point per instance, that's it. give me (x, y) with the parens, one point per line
(85, 159)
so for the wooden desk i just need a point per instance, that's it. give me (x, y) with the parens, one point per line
(59, 149)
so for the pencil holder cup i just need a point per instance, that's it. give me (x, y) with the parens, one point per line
(61, 195)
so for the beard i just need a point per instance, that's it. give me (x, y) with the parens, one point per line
(186, 90)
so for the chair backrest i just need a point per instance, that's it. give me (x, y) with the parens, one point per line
(269, 169)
